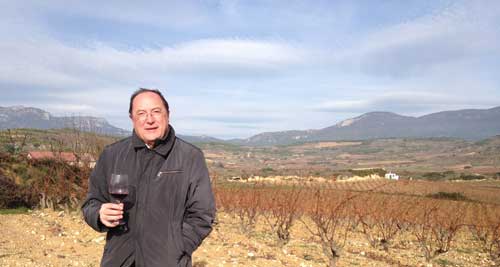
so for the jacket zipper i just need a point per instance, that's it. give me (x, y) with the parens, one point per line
(168, 172)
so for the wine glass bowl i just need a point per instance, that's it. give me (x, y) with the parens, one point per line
(118, 188)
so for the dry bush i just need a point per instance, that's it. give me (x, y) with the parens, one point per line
(486, 229)
(448, 220)
(226, 198)
(421, 226)
(248, 206)
(435, 223)
(241, 202)
(281, 209)
(381, 218)
(329, 211)
(60, 186)
(13, 195)
(45, 183)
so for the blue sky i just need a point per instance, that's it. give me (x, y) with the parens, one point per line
(238, 68)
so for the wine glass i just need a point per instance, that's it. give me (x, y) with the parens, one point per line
(118, 188)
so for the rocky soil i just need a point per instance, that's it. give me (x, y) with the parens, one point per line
(49, 238)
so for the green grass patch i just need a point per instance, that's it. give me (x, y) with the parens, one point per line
(444, 262)
(466, 251)
(20, 210)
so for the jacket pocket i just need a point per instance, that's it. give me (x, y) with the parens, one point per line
(178, 238)
(176, 242)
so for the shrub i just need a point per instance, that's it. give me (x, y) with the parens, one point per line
(471, 177)
(59, 185)
(22, 171)
(267, 169)
(434, 176)
(449, 195)
(15, 196)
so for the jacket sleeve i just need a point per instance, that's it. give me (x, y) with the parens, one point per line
(200, 206)
(96, 196)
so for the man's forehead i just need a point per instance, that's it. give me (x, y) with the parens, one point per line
(147, 100)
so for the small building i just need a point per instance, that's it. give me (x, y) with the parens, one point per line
(391, 176)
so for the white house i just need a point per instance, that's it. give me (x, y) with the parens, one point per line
(391, 176)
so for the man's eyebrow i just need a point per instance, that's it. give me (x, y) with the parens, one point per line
(155, 108)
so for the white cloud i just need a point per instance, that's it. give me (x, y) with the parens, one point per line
(166, 14)
(235, 53)
(412, 47)
(69, 109)
(52, 63)
(342, 105)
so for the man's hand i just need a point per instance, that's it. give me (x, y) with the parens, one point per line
(110, 214)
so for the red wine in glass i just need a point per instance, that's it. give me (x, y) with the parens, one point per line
(119, 195)
(118, 188)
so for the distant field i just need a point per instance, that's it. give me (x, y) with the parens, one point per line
(408, 157)
(485, 191)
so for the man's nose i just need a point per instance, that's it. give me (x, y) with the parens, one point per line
(150, 118)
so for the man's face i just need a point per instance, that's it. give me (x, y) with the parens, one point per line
(150, 117)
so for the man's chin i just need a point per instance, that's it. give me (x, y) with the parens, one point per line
(151, 139)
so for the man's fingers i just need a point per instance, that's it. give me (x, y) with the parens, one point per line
(112, 217)
(110, 213)
(110, 221)
(111, 209)
(110, 224)
(112, 206)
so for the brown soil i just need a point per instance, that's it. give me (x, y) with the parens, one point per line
(326, 145)
(48, 238)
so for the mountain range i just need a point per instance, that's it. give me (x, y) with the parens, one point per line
(29, 117)
(469, 124)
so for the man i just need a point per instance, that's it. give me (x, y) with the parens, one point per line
(170, 207)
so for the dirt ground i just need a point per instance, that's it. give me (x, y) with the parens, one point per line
(49, 238)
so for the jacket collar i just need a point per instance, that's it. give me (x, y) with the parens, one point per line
(162, 146)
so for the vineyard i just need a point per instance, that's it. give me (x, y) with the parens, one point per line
(435, 215)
